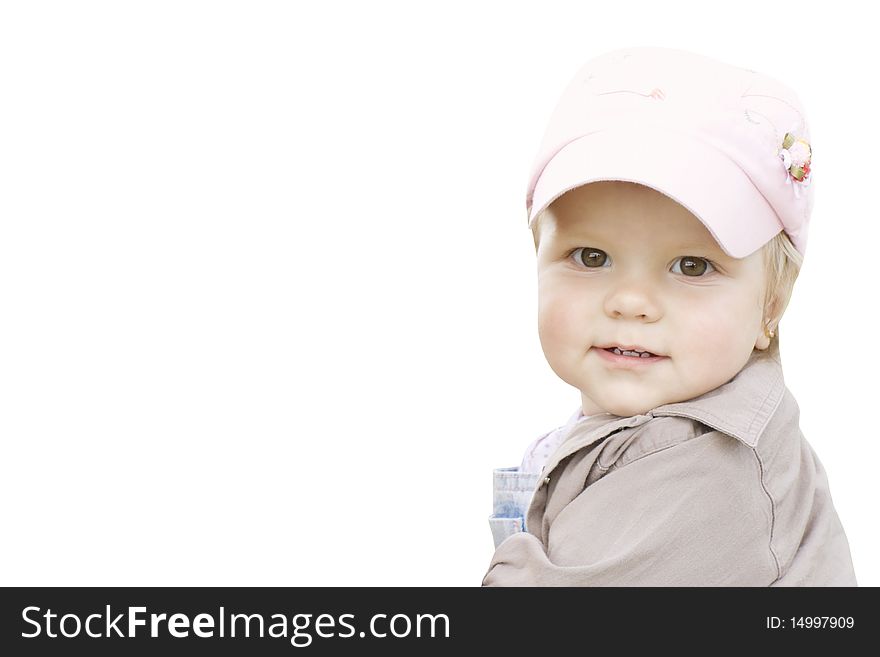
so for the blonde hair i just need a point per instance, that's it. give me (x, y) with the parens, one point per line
(782, 264)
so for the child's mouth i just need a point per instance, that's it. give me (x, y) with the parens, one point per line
(633, 355)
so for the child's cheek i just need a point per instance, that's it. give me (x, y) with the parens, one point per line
(720, 329)
(563, 317)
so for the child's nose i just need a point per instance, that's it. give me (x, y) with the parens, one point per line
(632, 302)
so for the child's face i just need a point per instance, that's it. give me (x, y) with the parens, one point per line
(636, 289)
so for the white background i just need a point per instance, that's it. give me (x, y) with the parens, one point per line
(267, 292)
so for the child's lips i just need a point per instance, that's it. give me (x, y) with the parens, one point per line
(630, 361)
(628, 347)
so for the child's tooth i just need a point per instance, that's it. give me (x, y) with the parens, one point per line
(630, 352)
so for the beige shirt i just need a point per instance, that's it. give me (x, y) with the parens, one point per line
(720, 490)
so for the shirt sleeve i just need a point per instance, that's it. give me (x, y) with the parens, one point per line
(694, 514)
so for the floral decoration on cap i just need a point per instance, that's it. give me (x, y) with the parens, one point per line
(796, 155)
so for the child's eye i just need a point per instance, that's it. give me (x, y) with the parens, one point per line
(589, 257)
(692, 266)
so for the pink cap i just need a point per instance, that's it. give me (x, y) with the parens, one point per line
(729, 144)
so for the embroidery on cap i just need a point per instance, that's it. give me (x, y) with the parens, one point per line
(796, 155)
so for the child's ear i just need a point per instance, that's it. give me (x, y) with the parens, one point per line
(762, 340)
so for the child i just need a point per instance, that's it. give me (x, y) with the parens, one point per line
(669, 206)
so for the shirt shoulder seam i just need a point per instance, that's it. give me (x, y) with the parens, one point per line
(772, 513)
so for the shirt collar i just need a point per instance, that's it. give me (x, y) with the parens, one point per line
(743, 406)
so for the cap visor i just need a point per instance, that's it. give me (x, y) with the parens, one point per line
(680, 165)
